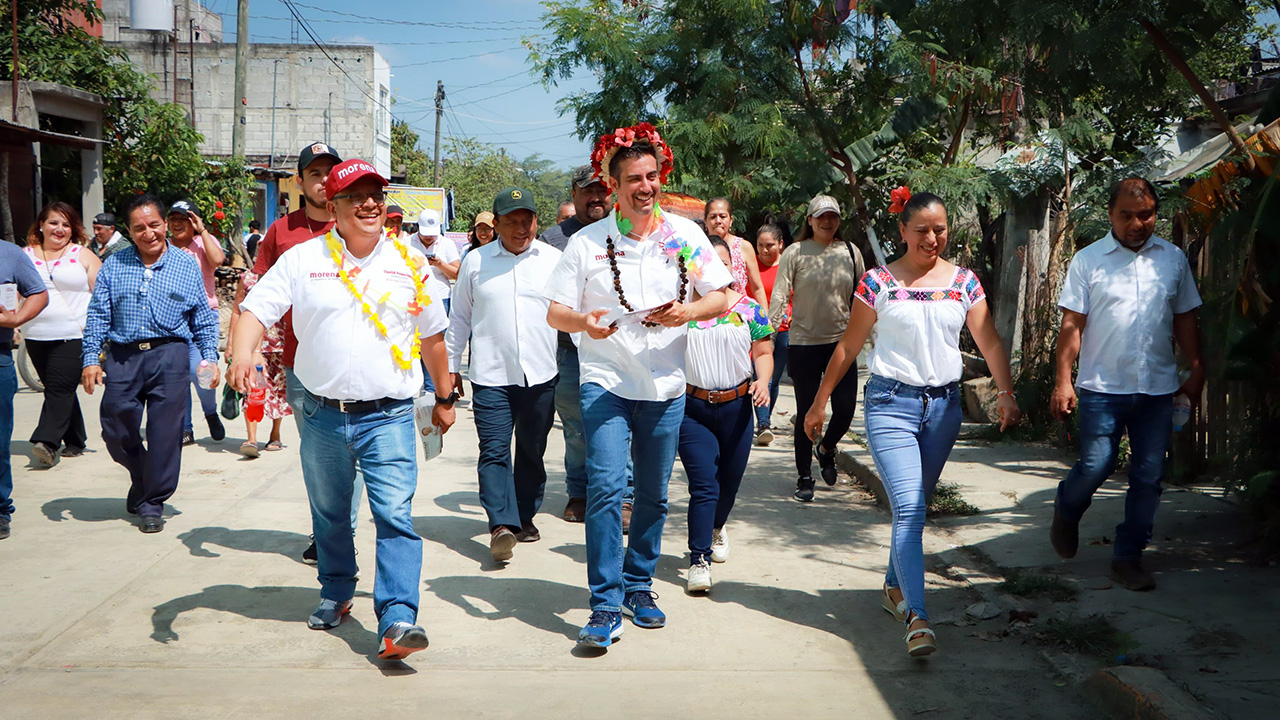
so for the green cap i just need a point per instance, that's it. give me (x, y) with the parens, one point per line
(512, 199)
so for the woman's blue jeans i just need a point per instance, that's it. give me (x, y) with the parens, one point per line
(911, 430)
(208, 398)
(1103, 420)
(715, 443)
(649, 432)
(780, 343)
(384, 442)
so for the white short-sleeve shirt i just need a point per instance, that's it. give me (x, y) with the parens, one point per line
(636, 362)
(917, 330)
(341, 354)
(499, 306)
(1130, 299)
(443, 248)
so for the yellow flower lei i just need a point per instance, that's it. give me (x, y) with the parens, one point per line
(420, 301)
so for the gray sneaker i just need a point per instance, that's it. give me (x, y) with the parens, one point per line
(400, 640)
(328, 614)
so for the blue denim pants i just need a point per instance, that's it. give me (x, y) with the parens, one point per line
(910, 430)
(384, 443)
(208, 398)
(511, 491)
(781, 341)
(569, 407)
(715, 443)
(293, 394)
(8, 388)
(649, 432)
(1103, 419)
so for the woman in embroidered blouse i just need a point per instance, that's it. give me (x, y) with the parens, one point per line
(55, 248)
(716, 433)
(718, 217)
(917, 306)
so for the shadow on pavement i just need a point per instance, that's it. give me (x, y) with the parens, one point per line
(94, 509)
(278, 542)
(283, 604)
(535, 603)
(458, 534)
(462, 502)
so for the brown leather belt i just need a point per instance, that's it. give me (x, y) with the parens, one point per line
(716, 397)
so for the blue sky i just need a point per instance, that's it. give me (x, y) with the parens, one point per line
(476, 50)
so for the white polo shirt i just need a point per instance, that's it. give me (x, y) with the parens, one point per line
(636, 362)
(498, 304)
(341, 355)
(442, 248)
(1130, 299)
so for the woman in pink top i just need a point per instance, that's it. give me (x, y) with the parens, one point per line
(718, 217)
(188, 234)
(54, 336)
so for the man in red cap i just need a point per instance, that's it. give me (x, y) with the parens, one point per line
(358, 387)
(395, 218)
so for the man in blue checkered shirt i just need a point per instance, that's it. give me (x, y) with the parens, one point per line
(149, 301)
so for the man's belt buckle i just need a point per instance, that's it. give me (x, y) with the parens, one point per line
(342, 406)
(144, 346)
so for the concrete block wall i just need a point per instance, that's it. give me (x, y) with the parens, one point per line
(314, 100)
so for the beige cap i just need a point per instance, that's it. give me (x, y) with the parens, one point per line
(822, 204)
(484, 218)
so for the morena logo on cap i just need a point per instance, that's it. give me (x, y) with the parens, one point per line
(354, 168)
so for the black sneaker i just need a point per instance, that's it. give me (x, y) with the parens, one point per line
(151, 524)
(826, 463)
(70, 452)
(309, 555)
(804, 489)
(4, 527)
(1064, 535)
(216, 431)
(188, 438)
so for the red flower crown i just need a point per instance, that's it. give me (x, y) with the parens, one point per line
(609, 143)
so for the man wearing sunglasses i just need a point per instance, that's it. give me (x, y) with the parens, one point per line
(150, 302)
(358, 389)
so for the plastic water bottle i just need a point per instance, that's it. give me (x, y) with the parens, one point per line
(257, 396)
(205, 374)
(1181, 411)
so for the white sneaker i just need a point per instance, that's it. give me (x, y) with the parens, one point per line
(699, 577)
(719, 545)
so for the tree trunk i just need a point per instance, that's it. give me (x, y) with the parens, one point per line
(6, 213)
(1025, 240)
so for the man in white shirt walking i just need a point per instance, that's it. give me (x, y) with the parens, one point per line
(359, 384)
(1128, 297)
(498, 304)
(628, 283)
(444, 260)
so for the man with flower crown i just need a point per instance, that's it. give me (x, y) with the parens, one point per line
(364, 313)
(631, 283)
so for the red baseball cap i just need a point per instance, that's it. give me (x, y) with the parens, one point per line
(345, 174)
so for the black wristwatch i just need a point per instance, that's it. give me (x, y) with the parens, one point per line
(448, 401)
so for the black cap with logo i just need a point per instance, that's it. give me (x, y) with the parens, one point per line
(313, 151)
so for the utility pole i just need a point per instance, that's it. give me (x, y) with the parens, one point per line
(435, 167)
(275, 74)
(242, 60)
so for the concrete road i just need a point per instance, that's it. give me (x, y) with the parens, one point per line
(207, 619)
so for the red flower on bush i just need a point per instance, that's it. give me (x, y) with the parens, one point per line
(898, 198)
(217, 204)
(219, 214)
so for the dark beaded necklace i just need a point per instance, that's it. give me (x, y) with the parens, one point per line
(617, 280)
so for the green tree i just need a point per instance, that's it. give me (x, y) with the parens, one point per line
(406, 154)
(476, 171)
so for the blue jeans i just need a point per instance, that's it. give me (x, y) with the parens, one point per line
(8, 388)
(293, 394)
(910, 430)
(511, 493)
(569, 406)
(384, 443)
(1103, 418)
(427, 385)
(715, 442)
(208, 398)
(611, 424)
(780, 344)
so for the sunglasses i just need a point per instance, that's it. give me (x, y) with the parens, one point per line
(379, 198)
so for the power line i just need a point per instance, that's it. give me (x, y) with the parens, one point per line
(364, 20)
(480, 25)
(463, 57)
(504, 92)
(359, 84)
(504, 122)
(491, 82)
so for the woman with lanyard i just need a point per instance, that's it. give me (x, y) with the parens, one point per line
(715, 435)
(816, 278)
(770, 242)
(917, 305)
(718, 217)
(54, 336)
